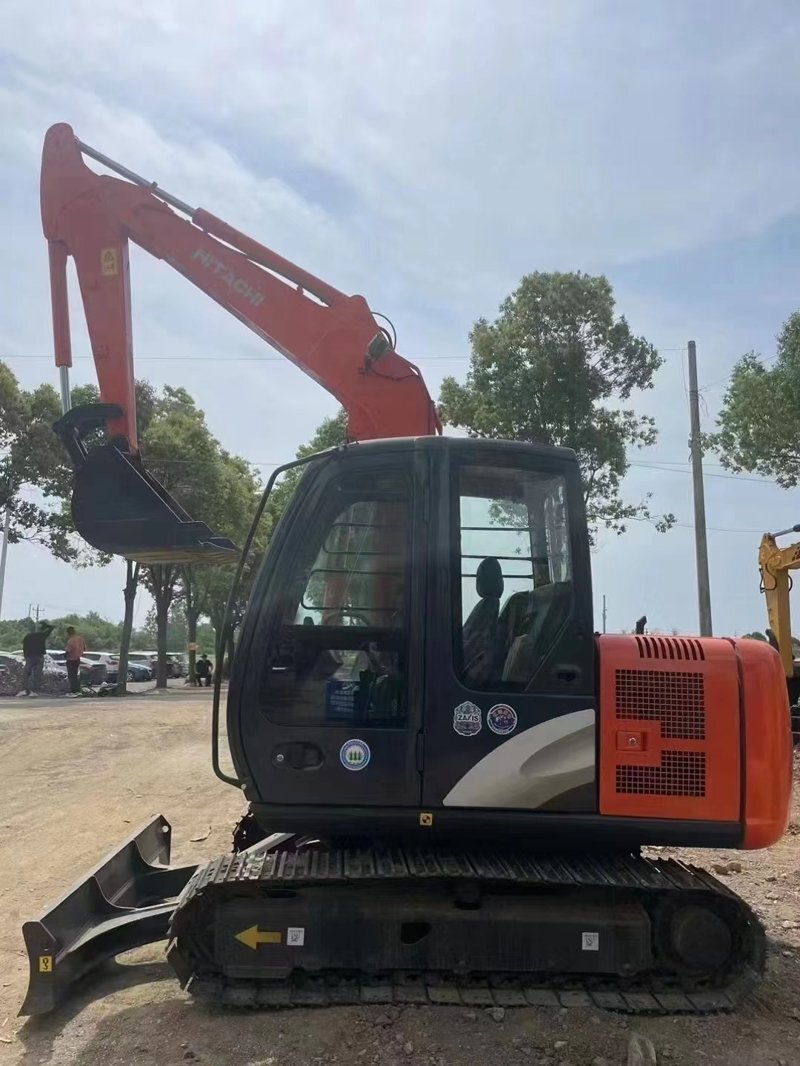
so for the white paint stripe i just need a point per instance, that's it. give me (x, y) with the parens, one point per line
(533, 767)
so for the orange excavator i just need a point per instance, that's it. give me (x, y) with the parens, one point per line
(449, 775)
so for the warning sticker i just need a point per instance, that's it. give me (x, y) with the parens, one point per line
(467, 719)
(295, 936)
(45, 964)
(590, 941)
(109, 262)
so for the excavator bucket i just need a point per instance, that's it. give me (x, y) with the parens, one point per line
(124, 902)
(121, 509)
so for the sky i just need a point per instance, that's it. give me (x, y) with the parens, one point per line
(427, 155)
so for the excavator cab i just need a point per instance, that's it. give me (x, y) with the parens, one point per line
(420, 629)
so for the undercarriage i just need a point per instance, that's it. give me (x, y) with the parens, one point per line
(292, 922)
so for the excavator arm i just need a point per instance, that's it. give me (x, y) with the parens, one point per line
(774, 564)
(333, 337)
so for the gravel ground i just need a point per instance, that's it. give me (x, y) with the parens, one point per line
(79, 775)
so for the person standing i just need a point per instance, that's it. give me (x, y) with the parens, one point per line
(75, 648)
(203, 671)
(34, 647)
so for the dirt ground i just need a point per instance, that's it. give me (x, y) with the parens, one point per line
(78, 776)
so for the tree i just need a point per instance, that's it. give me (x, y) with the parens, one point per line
(212, 584)
(755, 635)
(330, 433)
(31, 456)
(213, 486)
(132, 570)
(553, 368)
(234, 504)
(759, 428)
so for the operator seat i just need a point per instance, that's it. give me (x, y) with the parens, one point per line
(479, 634)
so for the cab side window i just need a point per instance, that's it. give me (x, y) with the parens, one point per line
(341, 655)
(515, 578)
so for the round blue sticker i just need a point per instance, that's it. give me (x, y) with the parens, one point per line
(354, 754)
(501, 719)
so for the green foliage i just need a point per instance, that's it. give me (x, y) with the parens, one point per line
(331, 433)
(144, 639)
(755, 635)
(212, 485)
(31, 457)
(759, 428)
(553, 368)
(12, 630)
(98, 632)
(180, 452)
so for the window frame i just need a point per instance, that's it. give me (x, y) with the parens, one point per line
(541, 470)
(397, 638)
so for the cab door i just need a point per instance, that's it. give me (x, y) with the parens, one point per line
(510, 719)
(328, 709)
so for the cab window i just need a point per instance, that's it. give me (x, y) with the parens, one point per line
(341, 654)
(514, 585)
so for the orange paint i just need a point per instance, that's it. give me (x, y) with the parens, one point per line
(677, 701)
(328, 334)
(768, 745)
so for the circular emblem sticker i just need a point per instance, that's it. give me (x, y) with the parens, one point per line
(501, 719)
(354, 754)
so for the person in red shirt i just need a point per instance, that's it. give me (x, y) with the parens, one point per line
(76, 646)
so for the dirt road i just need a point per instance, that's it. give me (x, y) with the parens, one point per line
(77, 776)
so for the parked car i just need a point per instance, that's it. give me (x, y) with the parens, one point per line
(175, 667)
(136, 672)
(91, 673)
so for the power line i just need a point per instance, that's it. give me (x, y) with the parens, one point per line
(689, 525)
(671, 469)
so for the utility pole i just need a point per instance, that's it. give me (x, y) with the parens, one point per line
(604, 612)
(700, 538)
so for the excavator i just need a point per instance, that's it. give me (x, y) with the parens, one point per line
(775, 564)
(449, 775)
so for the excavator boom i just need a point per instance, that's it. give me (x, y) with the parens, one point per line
(333, 337)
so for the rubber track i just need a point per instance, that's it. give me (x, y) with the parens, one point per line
(227, 876)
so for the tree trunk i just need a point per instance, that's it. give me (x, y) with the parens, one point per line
(192, 615)
(129, 592)
(163, 590)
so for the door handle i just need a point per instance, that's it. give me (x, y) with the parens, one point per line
(567, 674)
(298, 755)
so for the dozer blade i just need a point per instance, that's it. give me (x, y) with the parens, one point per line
(121, 509)
(124, 902)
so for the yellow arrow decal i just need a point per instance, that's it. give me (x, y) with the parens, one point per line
(253, 936)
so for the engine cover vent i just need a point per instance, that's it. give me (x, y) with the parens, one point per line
(681, 773)
(686, 648)
(670, 722)
(675, 700)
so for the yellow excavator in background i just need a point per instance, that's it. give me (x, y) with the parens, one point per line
(774, 564)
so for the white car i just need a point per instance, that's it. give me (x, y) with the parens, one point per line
(92, 672)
